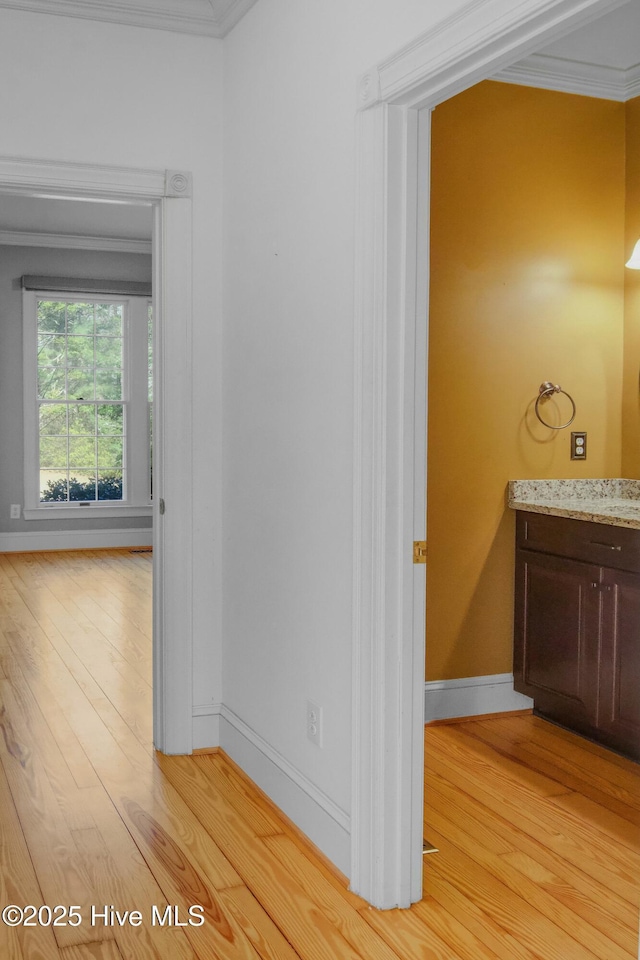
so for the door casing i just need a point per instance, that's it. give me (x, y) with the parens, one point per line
(391, 315)
(169, 192)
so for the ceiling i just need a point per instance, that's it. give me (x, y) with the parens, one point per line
(601, 59)
(207, 18)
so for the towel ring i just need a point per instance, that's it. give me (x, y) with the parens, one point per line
(547, 389)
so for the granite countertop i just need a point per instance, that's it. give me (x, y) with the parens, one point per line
(616, 502)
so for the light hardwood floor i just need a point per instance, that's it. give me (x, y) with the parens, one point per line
(537, 829)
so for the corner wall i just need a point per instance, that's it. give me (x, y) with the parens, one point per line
(527, 282)
(291, 82)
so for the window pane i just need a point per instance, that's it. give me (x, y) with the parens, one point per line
(80, 352)
(109, 319)
(110, 419)
(108, 352)
(81, 413)
(51, 350)
(51, 316)
(80, 384)
(82, 453)
(82, 419)
(53, 485)
(51, 383)
(110, 485)
(80, 318)
(108, 383)
(53, 453)
(53, 418)
(82, 487)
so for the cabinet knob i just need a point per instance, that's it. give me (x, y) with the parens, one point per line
(594, 585)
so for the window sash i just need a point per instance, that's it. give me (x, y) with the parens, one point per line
(136, 499)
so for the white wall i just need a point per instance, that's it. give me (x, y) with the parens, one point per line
(290, 99)
(74, 90)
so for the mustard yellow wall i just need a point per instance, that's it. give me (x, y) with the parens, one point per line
(631, 393)
(527, 279)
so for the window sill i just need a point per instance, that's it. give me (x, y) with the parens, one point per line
(56, 511)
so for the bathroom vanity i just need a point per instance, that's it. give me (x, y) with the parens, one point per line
(577, 606)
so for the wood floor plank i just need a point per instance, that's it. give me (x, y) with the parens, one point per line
(537, 829)
(555, 920)
(107, 950)
(438, 886)
(330, 900)
(121, 879)
(559, 768)
(19, 885)
(265, 820)
(412, 939)
(290, 902)
(557, 735)
(266, 938)
(582, 845)
(60, 872)
(596, 769)
(583, 895)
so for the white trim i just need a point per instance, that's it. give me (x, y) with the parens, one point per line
(206, 725)
(68, 241)
(55, 511)
(471, 45)
(75, 539)
(323, 821)
(200, 17)
(94, 181)
(388, 715)
(472, 697)
(572, 76)
(173, 475)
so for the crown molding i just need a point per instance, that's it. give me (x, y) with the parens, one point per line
(444, 61)
(205, 18)
(66, 241)
(573, 76)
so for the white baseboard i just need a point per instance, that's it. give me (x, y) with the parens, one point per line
(326, 824)
(471, 697)
(75, 539)
(206, 725)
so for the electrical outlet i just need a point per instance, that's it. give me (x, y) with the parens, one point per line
(314, 723)
(14, 512)
(578, 445)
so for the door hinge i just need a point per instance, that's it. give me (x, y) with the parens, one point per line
(419, 551)
(161, 507)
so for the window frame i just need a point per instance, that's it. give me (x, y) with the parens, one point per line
(136, 452)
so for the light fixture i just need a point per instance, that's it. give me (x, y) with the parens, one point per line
(634, 260)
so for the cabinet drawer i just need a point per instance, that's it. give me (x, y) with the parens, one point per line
(598, 543)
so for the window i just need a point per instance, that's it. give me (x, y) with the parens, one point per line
(87, 404)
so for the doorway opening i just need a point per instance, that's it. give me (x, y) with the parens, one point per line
(391, 293)
(167, 197)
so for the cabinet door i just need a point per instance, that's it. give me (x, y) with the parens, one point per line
(619, 709)
(557, 625)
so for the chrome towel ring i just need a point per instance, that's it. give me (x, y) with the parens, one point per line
(547, 389)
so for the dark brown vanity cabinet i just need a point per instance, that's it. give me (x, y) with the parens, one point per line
(577, 626)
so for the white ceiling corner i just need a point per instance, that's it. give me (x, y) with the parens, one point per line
(208, 18)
